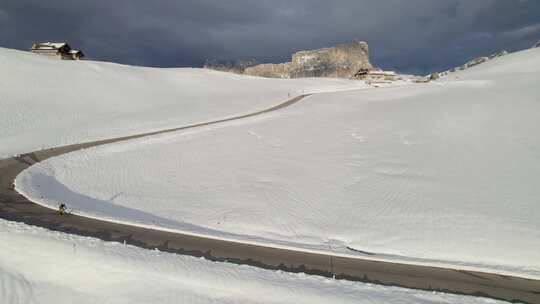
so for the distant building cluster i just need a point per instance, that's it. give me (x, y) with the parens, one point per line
(375, 75)
(58, 50)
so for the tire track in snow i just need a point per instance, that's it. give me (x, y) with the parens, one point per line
(15, 288)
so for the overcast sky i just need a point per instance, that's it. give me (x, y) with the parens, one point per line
(415, 36)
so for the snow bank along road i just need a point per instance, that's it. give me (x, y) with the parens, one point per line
(14, 206)
(118, 273)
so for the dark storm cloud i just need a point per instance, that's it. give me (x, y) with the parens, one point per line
(412, 36)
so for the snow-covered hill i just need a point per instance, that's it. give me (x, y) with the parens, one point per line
(444, 173)
(46, 102)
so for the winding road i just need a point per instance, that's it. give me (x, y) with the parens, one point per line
(15, 207)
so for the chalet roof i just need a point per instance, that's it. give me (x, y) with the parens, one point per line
(381, 72)
(77, 53)
(374, 72)
(49, 45)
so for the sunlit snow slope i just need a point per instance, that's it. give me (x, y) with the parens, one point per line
(444, 173)
(46, 102)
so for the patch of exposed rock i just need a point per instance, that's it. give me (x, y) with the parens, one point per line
(341, 61)
(270, 70)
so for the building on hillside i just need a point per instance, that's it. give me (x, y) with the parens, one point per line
(361, 74)
(474, 62)
(58, 50)
(375, 75)
(76, 54)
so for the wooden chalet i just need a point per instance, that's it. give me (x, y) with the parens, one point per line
(58, 50)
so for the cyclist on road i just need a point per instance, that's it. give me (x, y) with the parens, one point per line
(62, 209)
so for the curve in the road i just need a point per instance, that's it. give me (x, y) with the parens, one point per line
(14, 206)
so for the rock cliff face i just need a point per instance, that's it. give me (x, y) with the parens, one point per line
(342, 61)
(270, 70)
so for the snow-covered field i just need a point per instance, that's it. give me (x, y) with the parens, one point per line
(45, 102)
(444, 173)
(41, 266)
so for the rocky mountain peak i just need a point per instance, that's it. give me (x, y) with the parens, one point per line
(341, 61)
